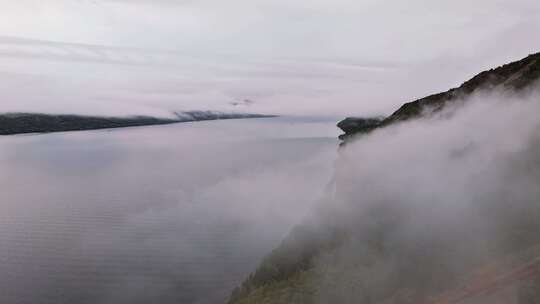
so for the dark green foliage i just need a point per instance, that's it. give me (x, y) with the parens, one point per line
(357, 124)
(516, 76)
(351, 125)
(294, 255)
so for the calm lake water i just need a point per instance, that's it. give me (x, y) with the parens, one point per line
(167, 214)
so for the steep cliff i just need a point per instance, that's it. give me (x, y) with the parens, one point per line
(439, 211)
(19, 123)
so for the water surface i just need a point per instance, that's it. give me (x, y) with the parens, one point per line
(165, 214)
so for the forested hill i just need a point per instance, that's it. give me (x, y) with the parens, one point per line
(18, 123)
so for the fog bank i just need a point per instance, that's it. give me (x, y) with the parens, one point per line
(427, 202)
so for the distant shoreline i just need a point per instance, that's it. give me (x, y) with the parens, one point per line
(38, 123)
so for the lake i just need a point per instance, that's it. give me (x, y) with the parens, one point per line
(166, 214)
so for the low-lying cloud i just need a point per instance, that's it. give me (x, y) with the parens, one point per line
(309, 57)
(425, 203)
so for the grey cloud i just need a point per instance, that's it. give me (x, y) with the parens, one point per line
(318, 57)
(431, 200)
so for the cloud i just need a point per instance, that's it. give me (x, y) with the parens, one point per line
(427, 202)
(80, 78)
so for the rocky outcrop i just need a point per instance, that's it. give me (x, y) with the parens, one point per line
(353, 125)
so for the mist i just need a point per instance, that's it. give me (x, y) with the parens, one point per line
(426, 203)
(183, 213)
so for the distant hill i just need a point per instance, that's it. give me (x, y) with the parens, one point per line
(18, 123)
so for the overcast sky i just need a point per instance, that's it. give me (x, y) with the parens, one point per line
(314, 57)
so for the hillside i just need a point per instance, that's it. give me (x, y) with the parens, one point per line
(420, 213)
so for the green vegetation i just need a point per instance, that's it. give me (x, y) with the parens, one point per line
(295, 255)
(18, 123)
(517, 77)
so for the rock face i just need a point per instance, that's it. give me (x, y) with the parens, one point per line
(352, 125)
(18, 123)
(363, 259)
(516, 77)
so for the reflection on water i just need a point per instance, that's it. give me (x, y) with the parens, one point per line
(168, 214)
